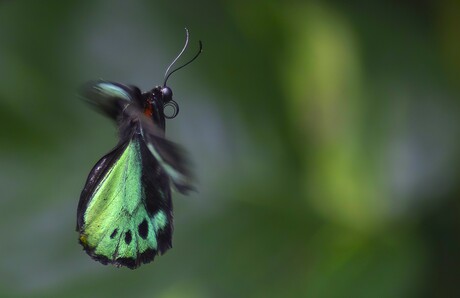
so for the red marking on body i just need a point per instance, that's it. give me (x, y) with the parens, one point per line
(148, 111)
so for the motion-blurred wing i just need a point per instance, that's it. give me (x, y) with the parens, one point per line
(110, 98)
(169, 155)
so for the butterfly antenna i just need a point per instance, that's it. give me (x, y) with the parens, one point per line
(187, 35)
(182, 66)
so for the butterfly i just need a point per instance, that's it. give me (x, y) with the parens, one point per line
(124, 215)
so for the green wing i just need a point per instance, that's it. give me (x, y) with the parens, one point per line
(125, 212)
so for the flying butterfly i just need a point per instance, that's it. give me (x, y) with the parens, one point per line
(124, 215)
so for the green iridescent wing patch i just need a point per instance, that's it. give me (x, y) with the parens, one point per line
(125, 210)
(126, 221)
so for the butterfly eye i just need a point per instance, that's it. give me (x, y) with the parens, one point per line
(167, 94)
(168, 103)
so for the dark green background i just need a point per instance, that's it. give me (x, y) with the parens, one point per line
(325, 136)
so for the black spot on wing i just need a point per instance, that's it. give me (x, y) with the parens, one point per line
(128, 237)
(114, 233)
(143, 229)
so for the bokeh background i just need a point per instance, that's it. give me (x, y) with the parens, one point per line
(325, 137)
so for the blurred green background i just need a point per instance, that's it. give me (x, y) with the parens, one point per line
(325, 137)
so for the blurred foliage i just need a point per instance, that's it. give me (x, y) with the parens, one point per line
(325, 136)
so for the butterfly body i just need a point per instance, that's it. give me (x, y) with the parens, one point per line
(124, 214)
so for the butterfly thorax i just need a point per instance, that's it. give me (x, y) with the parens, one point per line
(153, 106)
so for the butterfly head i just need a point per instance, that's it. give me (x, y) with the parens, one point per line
(169, 103)
(160, 103)
(161, 97)
(166, 94)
